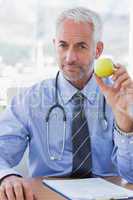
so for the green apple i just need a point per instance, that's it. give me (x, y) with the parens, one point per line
(104, 67)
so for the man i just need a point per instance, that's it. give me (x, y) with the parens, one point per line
(53, 152)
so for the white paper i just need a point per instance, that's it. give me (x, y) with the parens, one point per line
(89, 189)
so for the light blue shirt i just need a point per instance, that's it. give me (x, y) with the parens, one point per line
(23, 123)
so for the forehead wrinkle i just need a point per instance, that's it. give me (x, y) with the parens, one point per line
(74, 38)
(69, 30)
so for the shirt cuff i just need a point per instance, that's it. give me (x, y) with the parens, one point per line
(124, 143)
(127, 134)
(7, 172)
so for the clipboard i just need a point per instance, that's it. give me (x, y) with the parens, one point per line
(89, 189)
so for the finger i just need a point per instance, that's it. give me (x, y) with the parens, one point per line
(118, 66)
(129, 94)
(34, 197)
(127, 83)
(120, 80)
(2, 193)
(129, 90)
(118, 72)
(18, 189)
(9, 191)
(104, 88)
(27, 191)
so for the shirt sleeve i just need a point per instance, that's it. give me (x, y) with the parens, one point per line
(123, 155)
(14, 135)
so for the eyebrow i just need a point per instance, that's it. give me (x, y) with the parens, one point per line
(61, 41)
(82, 43)
(78, 43)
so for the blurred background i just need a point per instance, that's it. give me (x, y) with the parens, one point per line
(27, 28)
(26, 31)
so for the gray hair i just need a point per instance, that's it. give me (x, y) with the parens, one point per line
(81, 14)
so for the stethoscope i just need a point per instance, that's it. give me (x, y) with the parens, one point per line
(102, 119)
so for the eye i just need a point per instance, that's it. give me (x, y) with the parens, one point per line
(82, 46)
(62, 45)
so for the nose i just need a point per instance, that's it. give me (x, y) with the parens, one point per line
(71, 56)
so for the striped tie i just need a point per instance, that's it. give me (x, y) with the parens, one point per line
(80, 139)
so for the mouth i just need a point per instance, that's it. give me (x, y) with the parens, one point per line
(71, 68)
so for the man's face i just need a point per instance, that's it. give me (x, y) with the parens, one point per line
(75, 50)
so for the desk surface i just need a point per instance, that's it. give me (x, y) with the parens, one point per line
(42, 192)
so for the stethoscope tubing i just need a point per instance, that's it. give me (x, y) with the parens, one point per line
(56, 105)
(102, 118)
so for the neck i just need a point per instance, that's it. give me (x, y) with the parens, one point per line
(79, 84)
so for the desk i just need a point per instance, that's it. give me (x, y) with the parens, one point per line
(44, 193)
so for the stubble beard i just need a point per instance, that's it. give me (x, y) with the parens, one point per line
(81, 75)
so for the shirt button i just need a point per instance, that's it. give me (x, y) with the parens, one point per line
(122, 141)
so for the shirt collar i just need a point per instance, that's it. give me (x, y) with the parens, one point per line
(90, 90)
(67, 90)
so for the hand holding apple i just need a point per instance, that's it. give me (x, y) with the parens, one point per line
(119, 95)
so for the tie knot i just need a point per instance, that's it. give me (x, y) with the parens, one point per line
(78, 98)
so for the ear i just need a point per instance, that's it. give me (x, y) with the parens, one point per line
(99, 49)
(54, 44)
(54, 41)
